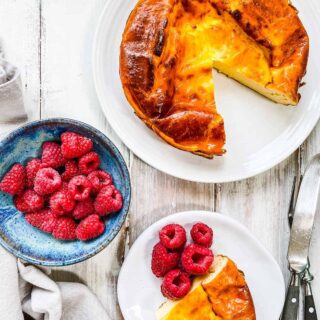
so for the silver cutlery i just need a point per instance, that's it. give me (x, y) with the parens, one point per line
(309, 305)
(301, 216)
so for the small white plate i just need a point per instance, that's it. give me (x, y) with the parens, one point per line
(260, 133)
(139, 290)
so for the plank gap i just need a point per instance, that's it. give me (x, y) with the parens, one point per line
(40, 57)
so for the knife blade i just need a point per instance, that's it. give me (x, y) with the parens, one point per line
(307, 205)
(303, 219)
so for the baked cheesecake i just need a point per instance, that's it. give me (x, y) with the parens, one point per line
(194, 306)
(221, 295)
(169, 48)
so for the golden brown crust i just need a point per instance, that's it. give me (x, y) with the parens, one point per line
(222, 294)
(198, 129)
(179, 106)
(275, 25)
(142, 39)
(229, 294)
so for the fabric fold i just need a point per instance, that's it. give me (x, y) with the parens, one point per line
(11, 96)
(29, 289)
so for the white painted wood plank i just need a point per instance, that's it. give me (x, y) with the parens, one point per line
(261, 204)
(19, 25)
(156, 195)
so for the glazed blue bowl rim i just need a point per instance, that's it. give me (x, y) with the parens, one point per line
(127, 186)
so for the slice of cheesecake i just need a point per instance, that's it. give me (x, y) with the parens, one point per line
(228, 291)
(221, 295)
(194, 306)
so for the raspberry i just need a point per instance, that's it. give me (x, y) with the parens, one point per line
(29, 201)
(89, 228)
(108, 200)
(20, 204)
(89, 162)
(47, 181)
(99, 179)
(61, 202)
(83, 209)
(44, 220)
(163, 260)
(74, 145)
(79, 188)
(14, 180)
(176, 284)
(51, 155)
(71, 170)
(64, 187)
(196, 260)
(65, 229)
(202, 234)
(32, 168)
(173, 236)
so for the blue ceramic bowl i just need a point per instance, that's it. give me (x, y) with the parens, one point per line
(31, 244)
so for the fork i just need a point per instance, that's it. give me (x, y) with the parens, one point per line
(309, 305)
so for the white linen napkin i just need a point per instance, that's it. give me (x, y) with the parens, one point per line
(29, 289)
(11, 97)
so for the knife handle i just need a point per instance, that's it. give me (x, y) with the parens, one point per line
(291, 305)
(310, 312)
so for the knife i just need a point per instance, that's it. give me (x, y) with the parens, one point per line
(302, 225)
(310, 312)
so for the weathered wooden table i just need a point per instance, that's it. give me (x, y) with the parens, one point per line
(51, 41)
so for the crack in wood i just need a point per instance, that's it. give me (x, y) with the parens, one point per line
(40, 58)
(127, 229)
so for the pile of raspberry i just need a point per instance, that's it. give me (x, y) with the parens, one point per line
(64, 192)
(177, 262)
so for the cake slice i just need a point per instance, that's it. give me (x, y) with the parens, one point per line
(194, 306)
(221, 295)
(228, 291)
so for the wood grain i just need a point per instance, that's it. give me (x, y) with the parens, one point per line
(156, 195)
(261, 203)
(20, 39)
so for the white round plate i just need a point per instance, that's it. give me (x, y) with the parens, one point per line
(260, 133)
(139, 290)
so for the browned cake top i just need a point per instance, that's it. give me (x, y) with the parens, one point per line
(169, 48)
(229, 294)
